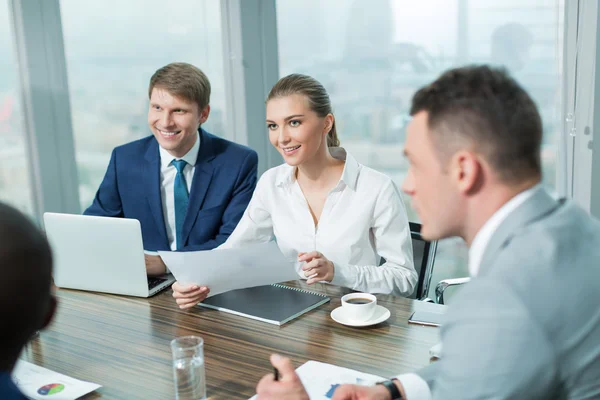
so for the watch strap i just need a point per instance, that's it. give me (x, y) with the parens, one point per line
(392, 388)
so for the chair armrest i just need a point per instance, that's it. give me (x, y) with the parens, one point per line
(445, 284)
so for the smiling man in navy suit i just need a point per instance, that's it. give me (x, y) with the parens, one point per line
(187, 188)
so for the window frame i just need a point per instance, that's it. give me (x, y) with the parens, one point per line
(46, 105)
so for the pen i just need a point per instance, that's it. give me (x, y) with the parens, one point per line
(276, 373)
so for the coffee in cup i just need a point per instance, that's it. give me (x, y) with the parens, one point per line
(359, 307)
(358, 300)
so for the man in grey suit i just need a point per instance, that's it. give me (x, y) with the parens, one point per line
(527, 326)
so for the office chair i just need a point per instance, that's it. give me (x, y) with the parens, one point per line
(445, 284)
(423, 257)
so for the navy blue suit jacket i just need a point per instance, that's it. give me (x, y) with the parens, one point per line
(223, 183)
(8, 390)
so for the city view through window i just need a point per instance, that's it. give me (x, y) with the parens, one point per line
(15, 185)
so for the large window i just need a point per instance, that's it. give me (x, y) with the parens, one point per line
(372, 56)
(15, 187)
(112, 48)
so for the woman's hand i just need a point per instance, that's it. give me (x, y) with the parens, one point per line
(187, 296)
(317, 267)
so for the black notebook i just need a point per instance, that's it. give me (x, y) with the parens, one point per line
(275, 304)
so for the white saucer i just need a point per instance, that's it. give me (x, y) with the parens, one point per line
(381, 314)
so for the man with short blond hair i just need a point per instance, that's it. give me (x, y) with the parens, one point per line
(183, 80)
(187, 187)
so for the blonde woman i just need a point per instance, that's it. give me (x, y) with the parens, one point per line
(334, 215)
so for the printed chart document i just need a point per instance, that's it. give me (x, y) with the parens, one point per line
(229, 269)
(40, 383)
(320, 380)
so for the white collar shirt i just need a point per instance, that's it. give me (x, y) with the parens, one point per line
(482, 238)
(167, 184)
(363, 219)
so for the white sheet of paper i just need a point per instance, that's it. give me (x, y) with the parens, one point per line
(37, 382)
(320, 380)
(223, 270)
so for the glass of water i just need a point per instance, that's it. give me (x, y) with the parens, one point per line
(188, 368)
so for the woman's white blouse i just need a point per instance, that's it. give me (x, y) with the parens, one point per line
(363, 219)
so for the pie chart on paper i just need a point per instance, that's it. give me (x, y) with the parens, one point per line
(51, 388)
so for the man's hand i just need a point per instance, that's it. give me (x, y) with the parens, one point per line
(356, 392)
(288, 387)
(187, 296)
(317, 268)
(154, 265)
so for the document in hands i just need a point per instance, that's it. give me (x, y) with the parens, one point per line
(320, 380)
(40, 383)
(222, 270)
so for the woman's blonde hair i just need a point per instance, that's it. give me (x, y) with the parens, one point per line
(317, 97)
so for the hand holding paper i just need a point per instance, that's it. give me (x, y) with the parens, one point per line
(187, 296)
(228, 269)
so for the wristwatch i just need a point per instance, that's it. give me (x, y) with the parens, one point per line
(392, 388)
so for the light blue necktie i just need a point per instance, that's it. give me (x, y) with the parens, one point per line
(182, 198)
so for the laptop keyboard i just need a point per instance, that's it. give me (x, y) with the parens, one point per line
(154, 282)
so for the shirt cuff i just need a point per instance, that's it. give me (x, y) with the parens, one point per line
(344, 275)
(415, 388)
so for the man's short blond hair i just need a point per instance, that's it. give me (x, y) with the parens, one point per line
(182, 80)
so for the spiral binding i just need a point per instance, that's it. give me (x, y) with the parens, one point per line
(298, 289)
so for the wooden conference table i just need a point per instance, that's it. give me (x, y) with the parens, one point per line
(122, 343)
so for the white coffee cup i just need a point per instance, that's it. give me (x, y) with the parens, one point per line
(359, 307)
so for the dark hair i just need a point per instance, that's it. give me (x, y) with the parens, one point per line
(315, 93)
(25, 293)
(489, 109)
(183, 80)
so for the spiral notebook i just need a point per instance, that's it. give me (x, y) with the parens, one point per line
(275, 304)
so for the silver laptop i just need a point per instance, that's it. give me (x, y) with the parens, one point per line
(100, 254)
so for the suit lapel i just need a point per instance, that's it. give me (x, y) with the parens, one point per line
(151, 177)
(203, 173)
(534, 208)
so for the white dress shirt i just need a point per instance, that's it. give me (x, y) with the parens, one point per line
(487, 231)
(363, 219)
(415, 387)
(167, 183)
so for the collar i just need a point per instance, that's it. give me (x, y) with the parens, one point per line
(190, 157)
(482, 238)
(349, 177)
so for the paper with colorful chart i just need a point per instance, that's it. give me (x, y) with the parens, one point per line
(40, 383)
(320, 380)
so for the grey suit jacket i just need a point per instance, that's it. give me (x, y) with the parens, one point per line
(528, 327)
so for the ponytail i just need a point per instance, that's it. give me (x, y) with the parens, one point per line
(332, 138)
